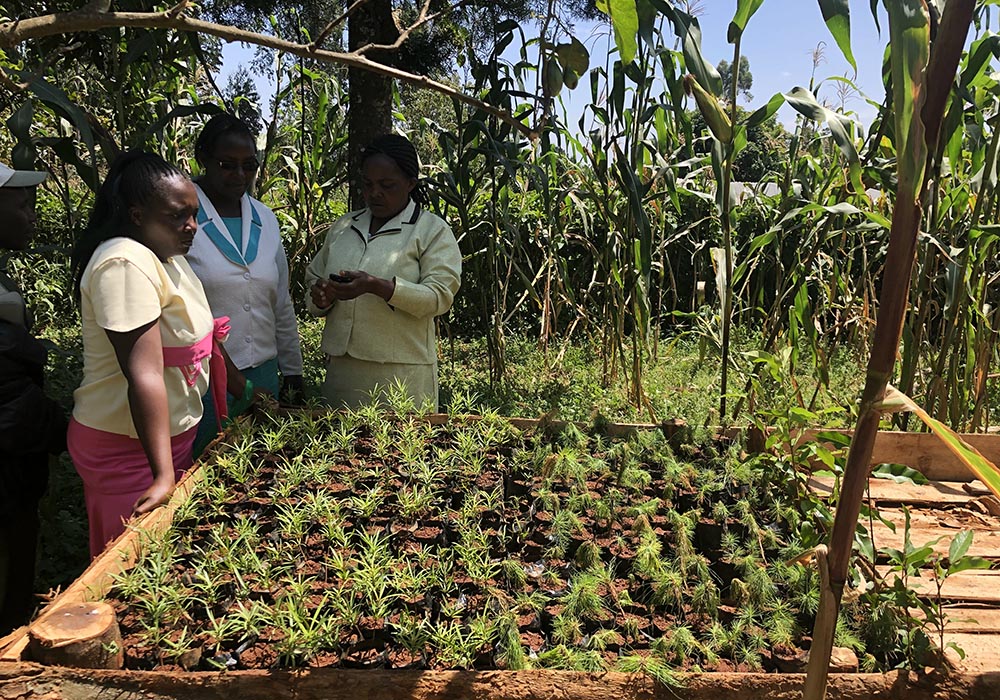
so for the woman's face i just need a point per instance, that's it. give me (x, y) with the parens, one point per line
(167, 223)
(230, 168)
(385, 186)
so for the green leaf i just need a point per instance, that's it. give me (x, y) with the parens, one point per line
(801, 415)
(909, 41)
(865, 544)
(574, 56)
(982, 468)
(176, 113)
(687, 29)
(625, 20)
(900, 473)
(508, 25)
(64, 107)
(553, 77)
(141, 45)
(65, 148)
(766, 112)
(834, 438)
(837, 15)
(980, 55)
(744, 11)
(967, 564)
(23, 154)
(959, 547)
(918, 555)
(704, 71)
(647, 21)
(570, 79)
(805, 104)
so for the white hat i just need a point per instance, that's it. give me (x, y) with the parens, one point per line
(20, 178)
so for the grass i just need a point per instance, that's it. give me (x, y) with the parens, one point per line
(682, 382)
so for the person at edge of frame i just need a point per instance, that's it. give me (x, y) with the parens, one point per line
(32, 426)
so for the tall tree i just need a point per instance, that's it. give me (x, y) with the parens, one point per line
(419, 36)
(743, 83)
(243, 100)
(370, 96)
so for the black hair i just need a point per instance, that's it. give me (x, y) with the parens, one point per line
(401, 151)
(215, 128)
(132, 181)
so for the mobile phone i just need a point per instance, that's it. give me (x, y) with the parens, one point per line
(342, 279)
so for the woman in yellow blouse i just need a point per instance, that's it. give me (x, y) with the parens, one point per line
(148, 336)
(382, 276)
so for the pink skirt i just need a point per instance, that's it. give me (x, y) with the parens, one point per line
(115, 472)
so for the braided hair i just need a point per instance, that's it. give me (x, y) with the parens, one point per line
(215, 128)
(132, 181)
(399, 149)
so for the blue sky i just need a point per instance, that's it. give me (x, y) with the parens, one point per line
(779, 42)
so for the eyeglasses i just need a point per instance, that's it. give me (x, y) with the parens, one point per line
(231, 166)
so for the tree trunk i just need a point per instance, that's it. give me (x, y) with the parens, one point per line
(370, 107)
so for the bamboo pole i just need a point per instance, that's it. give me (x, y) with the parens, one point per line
(920, 138)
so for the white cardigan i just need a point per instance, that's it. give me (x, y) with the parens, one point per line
(250, 285)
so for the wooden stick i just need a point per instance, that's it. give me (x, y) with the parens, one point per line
(826, 626)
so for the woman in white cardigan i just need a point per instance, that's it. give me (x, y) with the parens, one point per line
(240, 260)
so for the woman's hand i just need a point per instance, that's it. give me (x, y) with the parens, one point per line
(322, 294)
(362, 283)
(155, 496)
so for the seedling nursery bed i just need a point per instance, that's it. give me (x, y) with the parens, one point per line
(369, 554)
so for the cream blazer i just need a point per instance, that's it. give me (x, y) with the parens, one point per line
(418, 249)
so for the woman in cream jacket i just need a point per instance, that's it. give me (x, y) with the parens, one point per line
(382, 276)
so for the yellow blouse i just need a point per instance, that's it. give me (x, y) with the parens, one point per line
(124, 287)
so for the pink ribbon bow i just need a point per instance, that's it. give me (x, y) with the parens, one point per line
(189, 358)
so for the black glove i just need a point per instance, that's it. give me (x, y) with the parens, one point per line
(292, 390)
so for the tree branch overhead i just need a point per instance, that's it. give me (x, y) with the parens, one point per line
(90, 19)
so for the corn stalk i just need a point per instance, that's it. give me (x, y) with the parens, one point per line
(920, 90)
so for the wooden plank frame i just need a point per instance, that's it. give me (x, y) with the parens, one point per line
(922, 451)
(27, 681)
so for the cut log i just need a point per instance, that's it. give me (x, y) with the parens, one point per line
(82, 635)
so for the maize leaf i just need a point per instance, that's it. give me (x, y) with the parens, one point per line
(982, 468)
